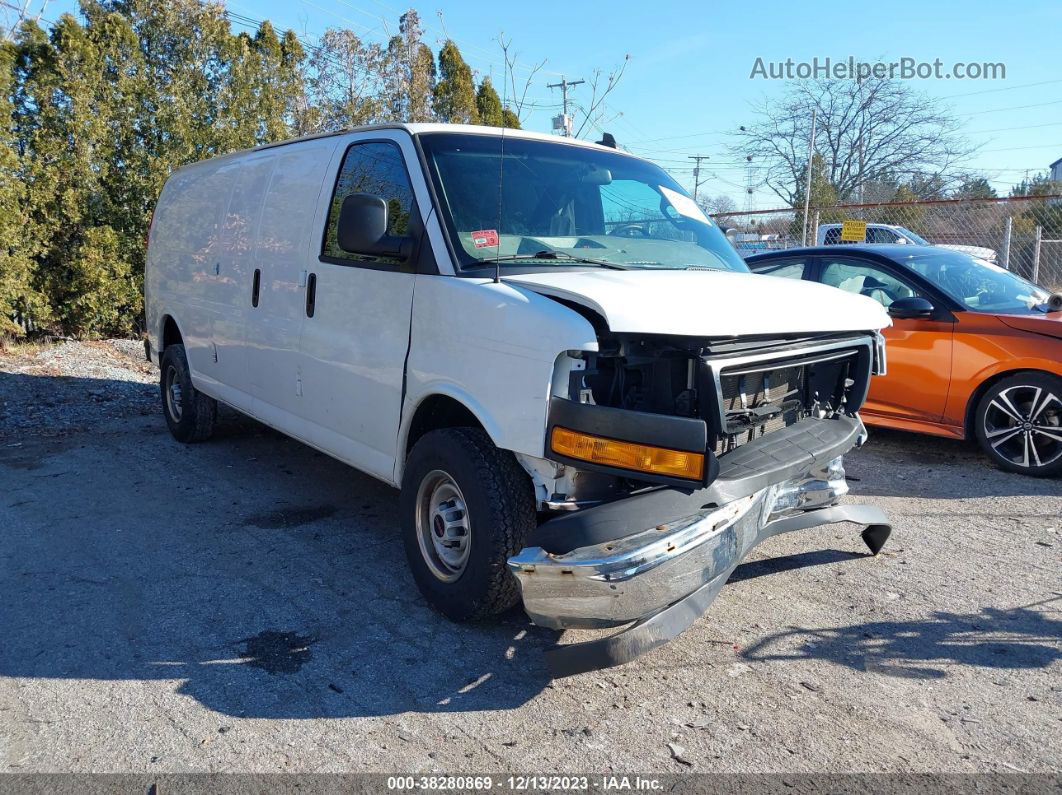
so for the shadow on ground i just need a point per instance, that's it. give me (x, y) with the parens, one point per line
(1019, 638)
(267, 580)
(260, 576)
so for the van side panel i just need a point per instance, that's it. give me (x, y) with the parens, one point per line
(186, 246)
(491, 347)
(283, 254)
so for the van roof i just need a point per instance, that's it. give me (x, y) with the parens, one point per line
(427, 127)
(412, 129)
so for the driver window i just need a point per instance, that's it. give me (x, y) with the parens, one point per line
(862, 278)
(377, 168)
(877, 234)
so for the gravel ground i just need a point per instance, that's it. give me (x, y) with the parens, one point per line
(244, 605)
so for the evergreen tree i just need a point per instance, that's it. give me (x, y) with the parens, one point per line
(18, 298)
(510, 119)
(455, 94)
(488, 105)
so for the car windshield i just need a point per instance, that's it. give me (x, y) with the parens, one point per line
(978, 285)
(912, 236)
(559, 205)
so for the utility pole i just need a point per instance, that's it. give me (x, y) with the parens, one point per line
(807, 188)
(697, 172)
(564, 85)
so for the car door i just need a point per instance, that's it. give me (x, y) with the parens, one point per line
(918, 350)
(282, 244)
(356, 333)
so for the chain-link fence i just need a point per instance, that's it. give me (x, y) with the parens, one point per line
(1023, 234)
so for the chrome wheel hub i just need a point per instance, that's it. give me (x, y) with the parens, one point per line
(443, 531)
(174, 394)
(1023, 424)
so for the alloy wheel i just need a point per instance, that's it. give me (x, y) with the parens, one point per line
(1023, 425)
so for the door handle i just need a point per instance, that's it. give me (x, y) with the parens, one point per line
(311, 294)
(256, 286)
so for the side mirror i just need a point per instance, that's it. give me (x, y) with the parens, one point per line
(363, 228)
(914, 306)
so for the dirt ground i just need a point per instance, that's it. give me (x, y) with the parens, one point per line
(244, 605)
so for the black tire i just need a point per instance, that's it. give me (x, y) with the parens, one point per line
(189, 413)
(1018, 423)
(500, 513)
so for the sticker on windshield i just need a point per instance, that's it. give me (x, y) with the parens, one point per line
(685, 205)
(484, 238)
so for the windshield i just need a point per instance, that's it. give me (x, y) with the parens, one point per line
(978, 285)
(559, 205)
(912, 236)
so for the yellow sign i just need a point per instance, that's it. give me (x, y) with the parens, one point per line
(854, 232)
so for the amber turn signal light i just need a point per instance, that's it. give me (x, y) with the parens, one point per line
(627, 455)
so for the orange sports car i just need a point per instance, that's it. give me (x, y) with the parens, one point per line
(974, 351)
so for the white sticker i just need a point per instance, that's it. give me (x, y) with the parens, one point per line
(685, 205)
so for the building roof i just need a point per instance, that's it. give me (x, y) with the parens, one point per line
(1055, 163)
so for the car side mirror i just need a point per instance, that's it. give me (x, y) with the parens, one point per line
(362, 228)
(911, 307)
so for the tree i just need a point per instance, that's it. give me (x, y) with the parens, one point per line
(975, 187)
(865, 131)
(520, 106)
(719, 205)
(18, 298)
(601, 85)
(455, 99)
(345, 86)
(409, 69)
(488, 105)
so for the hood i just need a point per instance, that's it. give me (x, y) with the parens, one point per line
(1049, 324)
(708, 303)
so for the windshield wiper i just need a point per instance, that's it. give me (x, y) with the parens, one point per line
(564, 255)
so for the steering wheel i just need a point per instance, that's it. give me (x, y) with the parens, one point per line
(630, 230)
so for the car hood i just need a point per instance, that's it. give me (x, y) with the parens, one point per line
(708, 303)
(1049, 324)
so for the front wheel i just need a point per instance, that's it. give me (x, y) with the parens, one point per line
(1019, 424)
(466, 508)
(189, 413)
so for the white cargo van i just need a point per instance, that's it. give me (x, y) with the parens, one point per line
(585, 397)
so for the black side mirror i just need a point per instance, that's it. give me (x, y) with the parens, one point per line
(363, 228)
(911, 307)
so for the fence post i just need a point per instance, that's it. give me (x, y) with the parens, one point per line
(815, 229)
(1008, 226)
(1036, 254)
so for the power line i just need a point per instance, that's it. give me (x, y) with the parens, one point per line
(564, 85)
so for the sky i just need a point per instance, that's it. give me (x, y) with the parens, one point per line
(687, 83)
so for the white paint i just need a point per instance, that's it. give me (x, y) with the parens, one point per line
(708, 303)
(337, 380)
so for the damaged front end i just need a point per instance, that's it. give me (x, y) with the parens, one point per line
(687, 454)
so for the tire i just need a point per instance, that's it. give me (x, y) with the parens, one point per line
(1018, 423)
(459, 488)
(190, 414)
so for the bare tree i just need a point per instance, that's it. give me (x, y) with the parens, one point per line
(721, 204)
(517, 99)
(345, 85)
(601, 85)
(868, 131)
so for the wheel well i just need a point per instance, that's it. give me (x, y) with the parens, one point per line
(439, 411)
(171, 335)
(984, 386)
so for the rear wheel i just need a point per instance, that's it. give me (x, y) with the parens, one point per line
(466, 507)
(189, 413)
(1019, 424)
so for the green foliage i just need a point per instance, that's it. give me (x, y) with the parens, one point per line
(96, 113)
(488, 104)
(455, 97)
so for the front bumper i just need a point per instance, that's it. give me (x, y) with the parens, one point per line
(663, 576)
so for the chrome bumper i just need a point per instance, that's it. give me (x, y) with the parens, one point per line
(665, 576)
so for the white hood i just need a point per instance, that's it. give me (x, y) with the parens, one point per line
(708, 303)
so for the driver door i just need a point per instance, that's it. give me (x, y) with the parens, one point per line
(918, 350)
